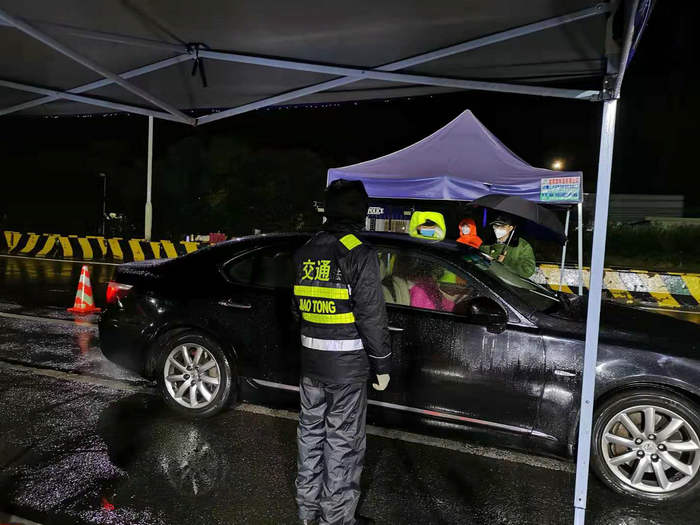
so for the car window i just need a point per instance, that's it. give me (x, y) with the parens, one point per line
(537, 296)
(423, 282)
(269, 267)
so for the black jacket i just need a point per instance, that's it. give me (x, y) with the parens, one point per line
(338, 300)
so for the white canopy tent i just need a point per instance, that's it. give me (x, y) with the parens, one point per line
(183, 62)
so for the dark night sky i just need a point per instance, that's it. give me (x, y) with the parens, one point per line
(50, 164)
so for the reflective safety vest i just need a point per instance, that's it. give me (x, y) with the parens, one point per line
(332, 348)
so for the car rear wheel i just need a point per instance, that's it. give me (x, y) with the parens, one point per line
(194, 374)
(646, 444)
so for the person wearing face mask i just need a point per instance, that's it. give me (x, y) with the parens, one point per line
(509, 249)
(467, 233)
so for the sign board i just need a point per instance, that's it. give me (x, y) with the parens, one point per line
(560, 189)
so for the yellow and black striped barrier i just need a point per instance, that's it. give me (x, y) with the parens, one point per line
(91, 247)
(663, 289)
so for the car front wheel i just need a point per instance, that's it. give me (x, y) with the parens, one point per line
(194, 374)
(646, 444)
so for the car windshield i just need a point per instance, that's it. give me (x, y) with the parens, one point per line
(533, 294)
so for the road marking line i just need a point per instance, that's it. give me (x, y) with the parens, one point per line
(400, 435)
(63, 322)
(73, 261)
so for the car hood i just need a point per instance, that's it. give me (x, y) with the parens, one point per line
(630, 326)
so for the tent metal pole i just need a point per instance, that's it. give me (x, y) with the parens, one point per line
(594, 300)
(98, 84)
(563, 249)
(88, 100)
(580, 248)
(375, 74)
(411, 61)
(148, 223)
(64, 50)
(595, 290)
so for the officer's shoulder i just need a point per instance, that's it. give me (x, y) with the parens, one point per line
(349, 243)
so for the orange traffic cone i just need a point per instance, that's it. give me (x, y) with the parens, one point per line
(84, 304)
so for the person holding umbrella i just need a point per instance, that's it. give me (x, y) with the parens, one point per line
(509, 249)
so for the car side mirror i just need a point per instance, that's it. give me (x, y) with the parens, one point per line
(487, 312)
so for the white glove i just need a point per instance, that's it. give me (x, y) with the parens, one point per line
(382, 382)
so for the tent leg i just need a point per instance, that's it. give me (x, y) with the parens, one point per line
(149, 175)
(563, 249)
(580, 248)
(594, 299)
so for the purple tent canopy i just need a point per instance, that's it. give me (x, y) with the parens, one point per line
(461, 161)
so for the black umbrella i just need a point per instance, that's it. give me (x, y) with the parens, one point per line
(540, 221)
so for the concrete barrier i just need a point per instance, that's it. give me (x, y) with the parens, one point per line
(664, 289)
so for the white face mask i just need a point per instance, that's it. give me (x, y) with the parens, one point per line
(500, 232)
(465, 229)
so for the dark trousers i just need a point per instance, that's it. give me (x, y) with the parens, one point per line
(331, 438)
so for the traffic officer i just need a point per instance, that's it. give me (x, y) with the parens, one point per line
(344, 335)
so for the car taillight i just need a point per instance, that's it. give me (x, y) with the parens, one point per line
(116, 291)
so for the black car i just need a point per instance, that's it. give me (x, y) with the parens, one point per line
(499, 361)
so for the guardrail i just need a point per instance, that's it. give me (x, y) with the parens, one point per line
(662, 289)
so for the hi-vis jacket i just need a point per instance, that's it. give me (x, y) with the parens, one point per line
(339, 300)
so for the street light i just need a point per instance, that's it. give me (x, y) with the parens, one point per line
(104, 201)
(557, 164)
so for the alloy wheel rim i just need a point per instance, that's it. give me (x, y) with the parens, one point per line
(651, 449)
(192, 375)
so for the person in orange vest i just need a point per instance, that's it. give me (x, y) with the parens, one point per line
(467, 233)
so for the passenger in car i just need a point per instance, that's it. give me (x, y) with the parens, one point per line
(425, 292)
(394, 287)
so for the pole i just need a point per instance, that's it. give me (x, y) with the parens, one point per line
(563, 249)
(104, 201)
(580, 248)
(149, 175)
(607, 136)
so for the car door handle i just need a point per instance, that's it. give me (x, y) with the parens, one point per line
(395, 329)
(228, 303)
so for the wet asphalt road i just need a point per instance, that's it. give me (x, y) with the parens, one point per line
(83, 441)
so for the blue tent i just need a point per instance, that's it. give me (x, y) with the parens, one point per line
(461, 161)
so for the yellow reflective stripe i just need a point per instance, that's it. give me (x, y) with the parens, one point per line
(692, 282)
(50, 241)
(31, 243)
(155, 246)
(321, 291)
(190, 246)
(116, 249)
(85, 246)
(103, 245)
(350, 241)
(169, 248)
(136, 250)
(65, 245)
(329, 318)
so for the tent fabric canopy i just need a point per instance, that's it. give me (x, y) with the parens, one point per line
(461, 161)
(124, 35)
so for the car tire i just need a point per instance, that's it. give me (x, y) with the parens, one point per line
(637, 452)
(194, 374)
